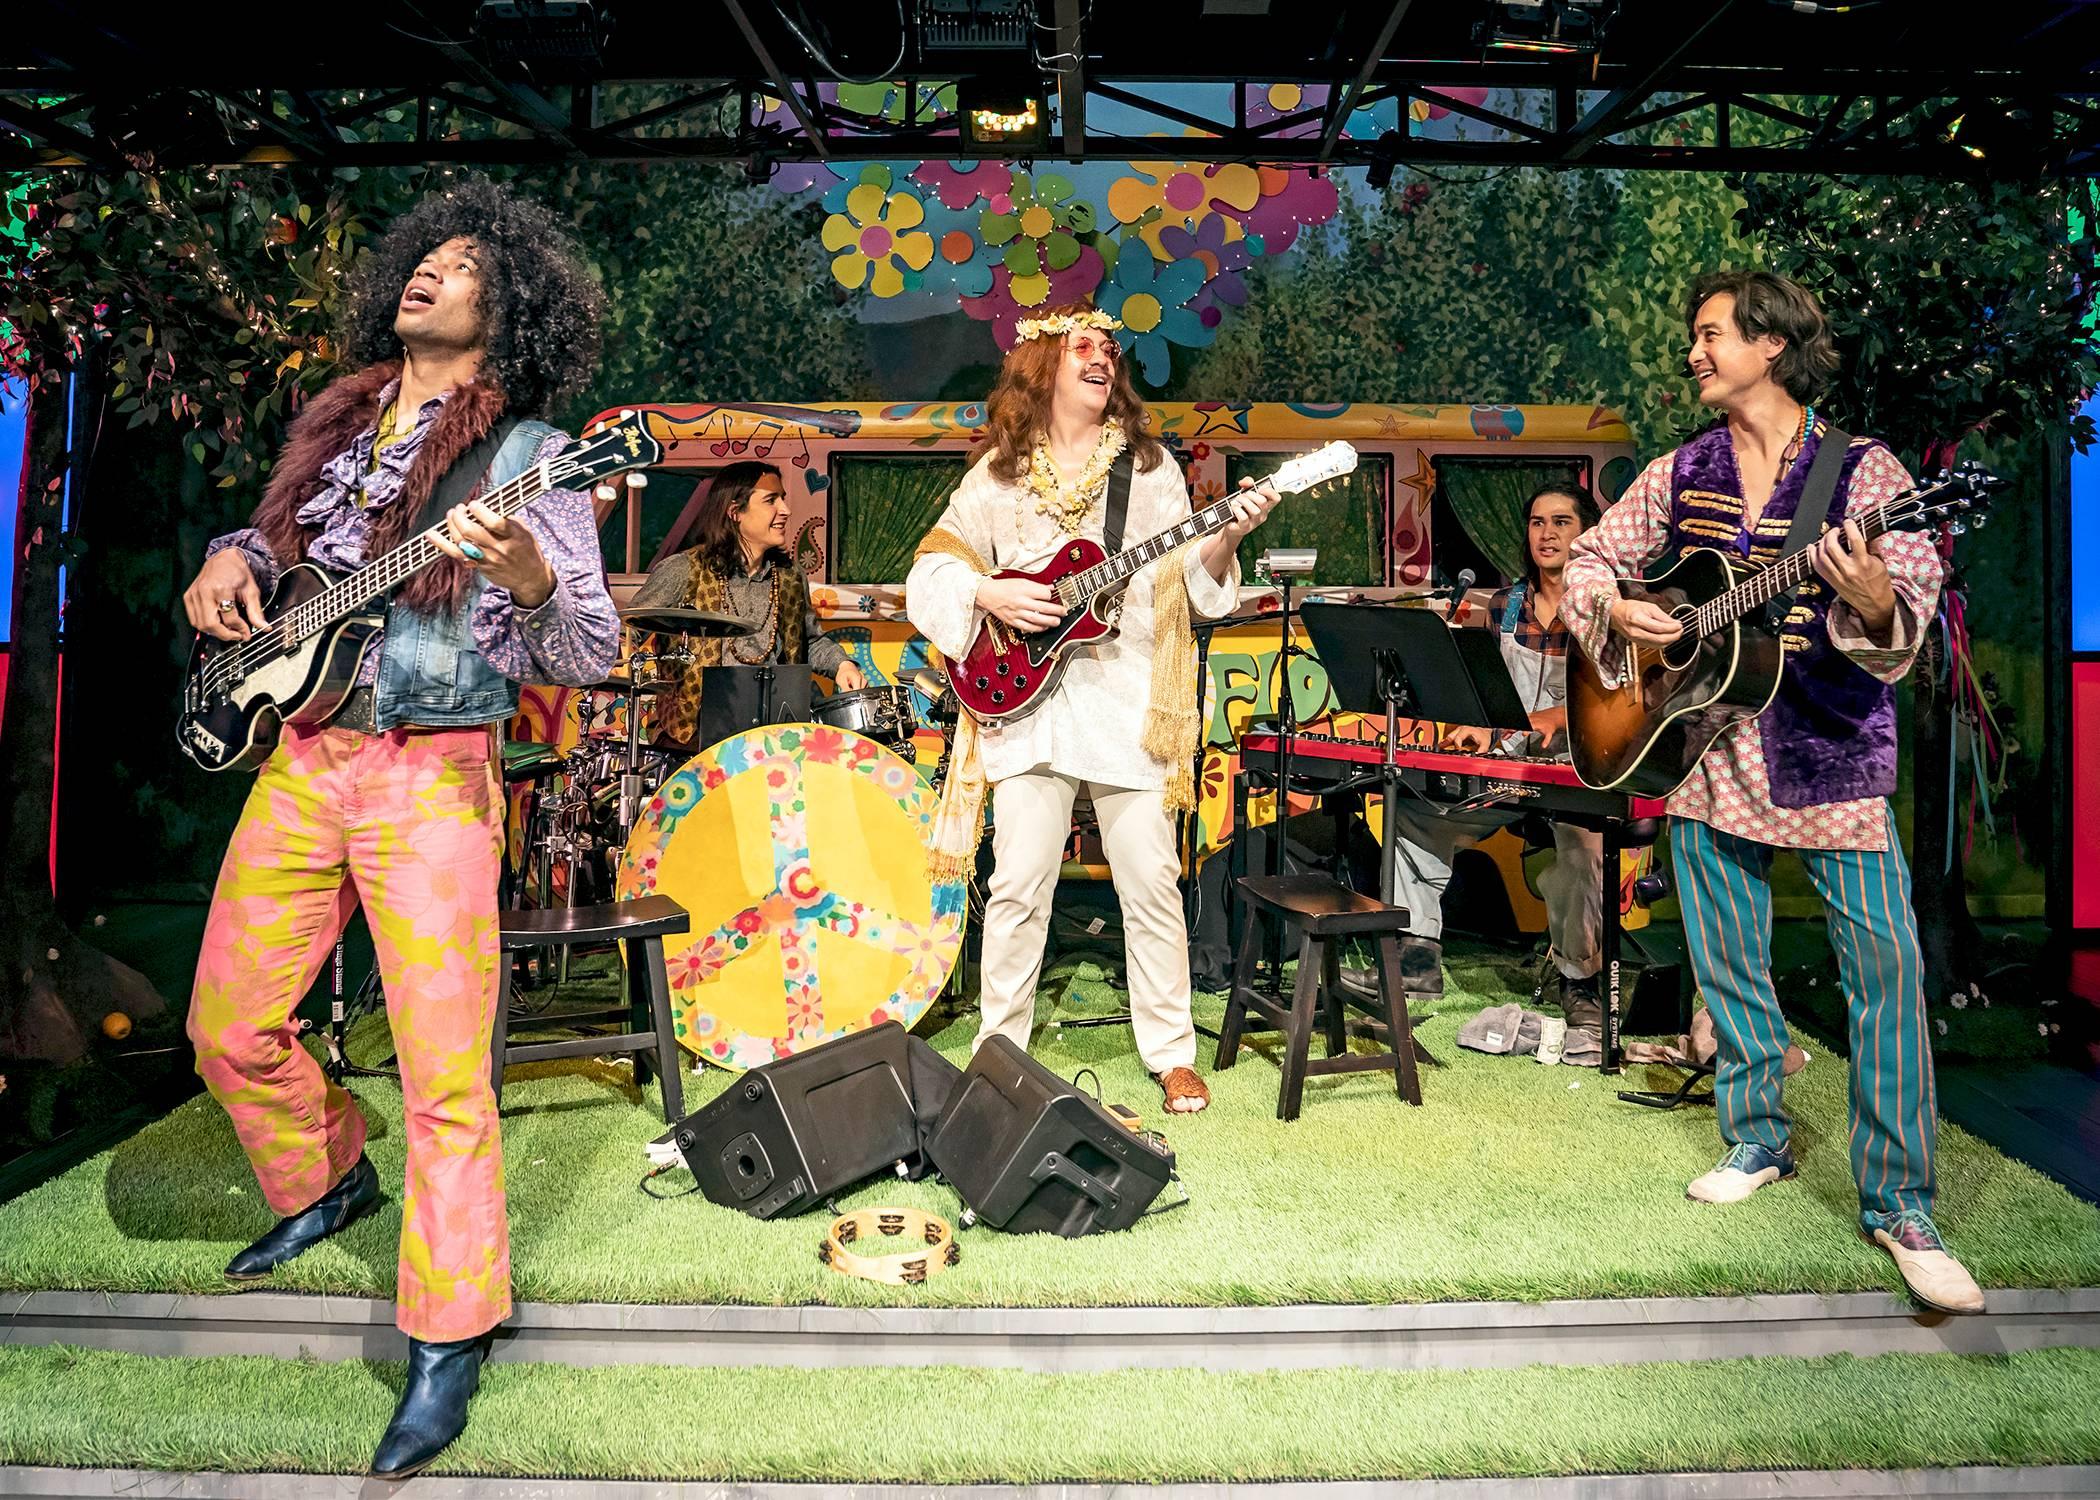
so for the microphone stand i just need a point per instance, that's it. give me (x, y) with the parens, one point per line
(1282, 564)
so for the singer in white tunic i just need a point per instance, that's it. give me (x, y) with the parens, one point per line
(1122, 721)
(1092, 724)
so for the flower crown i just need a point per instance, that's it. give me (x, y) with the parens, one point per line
(1064, 323)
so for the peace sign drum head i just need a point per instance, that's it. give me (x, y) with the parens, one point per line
(800, 851)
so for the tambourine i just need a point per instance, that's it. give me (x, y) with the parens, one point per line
(931, 1240)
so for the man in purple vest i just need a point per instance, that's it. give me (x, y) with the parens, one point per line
(1812, 774)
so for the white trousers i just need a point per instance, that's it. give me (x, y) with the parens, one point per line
(1031, 822)
(1573, 888)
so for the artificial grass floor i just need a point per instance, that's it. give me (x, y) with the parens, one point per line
(81, 1408)
(1512, 1181)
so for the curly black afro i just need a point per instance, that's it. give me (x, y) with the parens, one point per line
(542, 305)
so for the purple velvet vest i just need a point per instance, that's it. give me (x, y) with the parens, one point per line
(1830, 734)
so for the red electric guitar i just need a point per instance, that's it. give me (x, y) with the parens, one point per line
(1007, 673)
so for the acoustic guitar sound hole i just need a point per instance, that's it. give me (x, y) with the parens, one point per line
(1683, 651)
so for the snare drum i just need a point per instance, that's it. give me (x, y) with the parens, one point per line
(880, 713)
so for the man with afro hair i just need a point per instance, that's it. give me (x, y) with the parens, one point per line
(465, 325)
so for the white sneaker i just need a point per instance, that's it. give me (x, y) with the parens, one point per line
(1744, 1170)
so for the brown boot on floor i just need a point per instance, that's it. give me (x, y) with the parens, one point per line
(1187, 1094)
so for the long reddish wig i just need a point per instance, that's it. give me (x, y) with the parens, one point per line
(1018, 410)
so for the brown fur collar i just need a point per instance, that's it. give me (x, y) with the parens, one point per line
(333, 421)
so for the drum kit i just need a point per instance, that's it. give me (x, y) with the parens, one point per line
(779, 955)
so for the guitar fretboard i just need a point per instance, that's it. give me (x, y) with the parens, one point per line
(347, 595)
(1767, 584)
(1076, 589)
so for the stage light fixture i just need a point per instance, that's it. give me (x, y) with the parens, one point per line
(1385, 155)
(974, 25)
(567, 36)
(1004, 114)
(1555, 28)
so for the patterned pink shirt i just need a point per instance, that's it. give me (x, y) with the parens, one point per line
(1729, 789)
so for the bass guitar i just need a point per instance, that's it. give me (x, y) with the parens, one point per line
(1673, 702)
(300, 667)
(1007, 673)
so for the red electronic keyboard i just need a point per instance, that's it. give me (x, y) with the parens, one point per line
(1324, 765)
(1447, 778)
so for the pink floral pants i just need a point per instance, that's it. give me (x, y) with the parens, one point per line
(410, 823)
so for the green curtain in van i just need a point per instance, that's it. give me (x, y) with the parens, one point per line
(882, 505)
(1487, 496)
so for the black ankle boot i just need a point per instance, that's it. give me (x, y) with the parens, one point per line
(442, 1378)
(351, 1199)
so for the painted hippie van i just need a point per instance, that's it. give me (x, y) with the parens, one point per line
(1437, 489)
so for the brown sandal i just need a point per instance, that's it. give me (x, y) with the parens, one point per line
(1184, 1083)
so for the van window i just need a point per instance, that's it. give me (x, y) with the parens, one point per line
(882, 505)
(1344, 519)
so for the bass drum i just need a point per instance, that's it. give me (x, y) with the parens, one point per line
(798, 851)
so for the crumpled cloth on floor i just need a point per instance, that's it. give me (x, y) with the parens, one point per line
(1698, 1046)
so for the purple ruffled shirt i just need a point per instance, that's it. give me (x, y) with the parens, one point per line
(572, 638)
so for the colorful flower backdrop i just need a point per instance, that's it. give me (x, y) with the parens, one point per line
(1166, 244)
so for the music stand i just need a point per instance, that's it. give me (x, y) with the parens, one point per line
(1404, 661)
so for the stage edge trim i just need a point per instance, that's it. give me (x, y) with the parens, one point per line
(1980, 1483)
(1411, 1336)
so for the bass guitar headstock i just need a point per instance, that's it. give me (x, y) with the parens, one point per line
(614, 446)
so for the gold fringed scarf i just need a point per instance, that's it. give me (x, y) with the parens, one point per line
(1172, 721)
(958, 823)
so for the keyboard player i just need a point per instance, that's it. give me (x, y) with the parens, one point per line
(1535, 643)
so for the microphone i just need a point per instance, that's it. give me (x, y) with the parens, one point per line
(1459, 585)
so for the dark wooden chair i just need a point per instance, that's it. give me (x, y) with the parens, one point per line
(639, 926)
(1325, 912)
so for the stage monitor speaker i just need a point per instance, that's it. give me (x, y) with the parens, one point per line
(785, 1137)
(1031, 1154)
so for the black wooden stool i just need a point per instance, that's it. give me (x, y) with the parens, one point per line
(640, 925)
(1324, 911)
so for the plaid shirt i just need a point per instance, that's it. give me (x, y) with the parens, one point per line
(1547, 640)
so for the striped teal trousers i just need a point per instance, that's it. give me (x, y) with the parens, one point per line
(1723, 887)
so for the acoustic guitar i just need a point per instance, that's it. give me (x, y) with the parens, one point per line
(1673, 703)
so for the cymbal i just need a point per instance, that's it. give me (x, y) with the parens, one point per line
(666, 619)
(619, 682)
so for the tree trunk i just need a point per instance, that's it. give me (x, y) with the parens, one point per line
(54, 988)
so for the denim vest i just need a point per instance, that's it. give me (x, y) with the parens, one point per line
(429, 669)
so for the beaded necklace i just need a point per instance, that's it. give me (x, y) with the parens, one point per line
(1068, 508)
(763, 651)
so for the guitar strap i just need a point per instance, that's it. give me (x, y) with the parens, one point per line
(1817, 491)
(1118, 504)
(463, 479)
